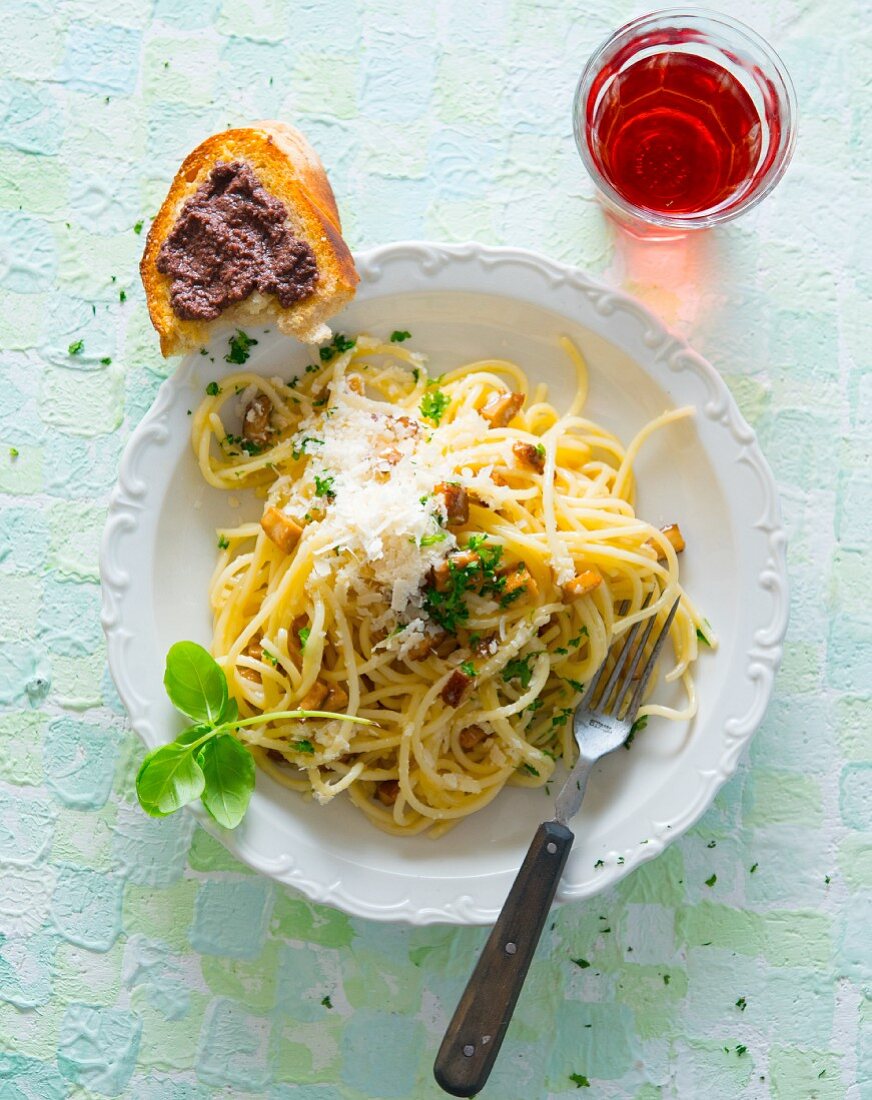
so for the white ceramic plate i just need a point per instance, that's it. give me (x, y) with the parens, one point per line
(460, 303)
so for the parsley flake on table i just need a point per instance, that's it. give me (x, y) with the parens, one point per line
(137, 228)
(579, 1080)
(711, 880)
(213, 389)
(76, 348)
(399, 335)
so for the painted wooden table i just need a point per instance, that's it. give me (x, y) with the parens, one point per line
(137, 959)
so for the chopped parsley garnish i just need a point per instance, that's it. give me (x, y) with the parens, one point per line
(519, 669)
(416, 374)
(741, 1004)
(579, 1080)
(105, 361)
(529, 768)
(577, 640)
(711, 880)
(575, 685)
(324, 487)
(448, 607)
(754, 867)
(304, 636)
(666, 979)
(270, 659)
(639, 724)
(223, 542)
(561, 717)
(321, 402)
(741, 1049)
(468, 668)
(515, 594)
(213, 389)
(433, 405)
(13, 452)
(583, 963)
(325, 1001)
(338, 345)
(299, 449)
(398, 336)
(240, 345)
(540, 450)
(137, 229)
(305, 746)
(599, 863)
(76, 348)
(431, 540)
(702, 637)
(122, 295)
(247, 445)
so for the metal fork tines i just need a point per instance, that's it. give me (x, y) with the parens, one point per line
(604, 718)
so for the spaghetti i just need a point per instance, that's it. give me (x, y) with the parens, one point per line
(450, 558)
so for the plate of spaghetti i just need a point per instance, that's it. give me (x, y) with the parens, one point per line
(438, 524)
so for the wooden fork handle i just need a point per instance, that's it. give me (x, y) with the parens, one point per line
(476, 1031)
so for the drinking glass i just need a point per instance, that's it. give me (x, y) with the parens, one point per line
(684, 119)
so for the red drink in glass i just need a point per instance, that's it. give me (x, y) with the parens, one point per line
(684, 120)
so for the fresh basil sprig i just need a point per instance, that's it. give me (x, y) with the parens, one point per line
(206, 761)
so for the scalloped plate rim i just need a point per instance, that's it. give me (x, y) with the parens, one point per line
(764, 652)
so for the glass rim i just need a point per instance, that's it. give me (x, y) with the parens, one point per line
(700, 18)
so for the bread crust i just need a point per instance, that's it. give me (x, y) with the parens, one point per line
(290, 169)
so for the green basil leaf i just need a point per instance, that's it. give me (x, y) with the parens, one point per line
(231, 711)
(168, 779)
(195, 683)
(228, 768)
(191, 734)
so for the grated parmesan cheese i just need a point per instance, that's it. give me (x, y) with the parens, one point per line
(377, 473)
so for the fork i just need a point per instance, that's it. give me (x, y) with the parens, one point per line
(602, 723)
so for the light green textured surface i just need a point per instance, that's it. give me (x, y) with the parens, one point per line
(137, 958)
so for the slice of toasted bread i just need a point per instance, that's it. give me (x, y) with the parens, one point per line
(290, 170)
